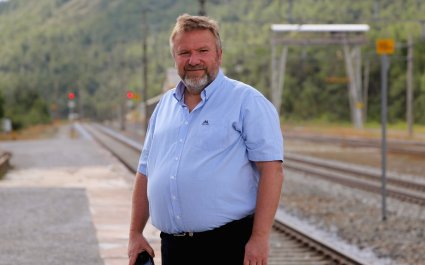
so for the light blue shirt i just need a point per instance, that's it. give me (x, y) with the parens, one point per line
(200, 164)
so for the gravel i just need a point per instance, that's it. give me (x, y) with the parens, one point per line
(355, 217)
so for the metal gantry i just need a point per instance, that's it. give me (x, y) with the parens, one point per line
(350, 36)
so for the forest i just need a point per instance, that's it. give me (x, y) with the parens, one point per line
(95, 50)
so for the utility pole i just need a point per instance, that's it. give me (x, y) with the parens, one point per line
(409, 91)
(289, 12)
(376, 9)
(202, 11)
(145, 70)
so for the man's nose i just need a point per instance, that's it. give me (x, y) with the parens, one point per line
(194, 59)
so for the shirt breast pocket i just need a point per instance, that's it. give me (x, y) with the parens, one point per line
(214, 135)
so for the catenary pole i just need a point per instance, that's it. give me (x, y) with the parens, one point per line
(202, 10)
(145, 70)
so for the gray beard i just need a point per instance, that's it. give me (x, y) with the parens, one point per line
(196, 85)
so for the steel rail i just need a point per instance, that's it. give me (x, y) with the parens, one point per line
(334, 175)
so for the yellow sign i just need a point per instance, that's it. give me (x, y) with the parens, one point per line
(359, 105)
(385, 46)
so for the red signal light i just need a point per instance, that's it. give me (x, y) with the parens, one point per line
(130, 94)
(71, 95)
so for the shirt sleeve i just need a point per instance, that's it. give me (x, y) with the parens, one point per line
(261, 130)
(143, 159)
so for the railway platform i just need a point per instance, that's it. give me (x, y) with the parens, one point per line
(66, 201)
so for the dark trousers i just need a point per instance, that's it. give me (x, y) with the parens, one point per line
(224, 245)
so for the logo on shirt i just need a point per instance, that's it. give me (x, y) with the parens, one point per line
(205, 122)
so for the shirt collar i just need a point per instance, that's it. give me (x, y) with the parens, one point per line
(206, 93)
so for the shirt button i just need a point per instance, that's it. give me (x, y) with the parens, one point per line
(186, 123)
(176, 158)
(173, 177)
(178, 216)
(181, 140)
(174, 197)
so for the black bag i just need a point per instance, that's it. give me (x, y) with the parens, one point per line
(144, 259)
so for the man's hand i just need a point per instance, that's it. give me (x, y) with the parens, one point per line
(256, 251)
(136, 245)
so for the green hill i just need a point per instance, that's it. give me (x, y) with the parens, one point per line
(51, 47)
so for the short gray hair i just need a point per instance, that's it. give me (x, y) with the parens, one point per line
(187, 23)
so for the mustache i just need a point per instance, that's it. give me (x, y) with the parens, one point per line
(194, 68)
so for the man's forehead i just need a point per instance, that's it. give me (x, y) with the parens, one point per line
(194, 38)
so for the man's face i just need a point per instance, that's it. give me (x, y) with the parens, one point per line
(197, 59)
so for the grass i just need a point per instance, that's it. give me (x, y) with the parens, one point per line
(41, 131)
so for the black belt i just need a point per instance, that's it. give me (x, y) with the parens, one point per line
(189, 234)
(229, 226)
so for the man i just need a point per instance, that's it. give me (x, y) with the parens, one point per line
(210, 173)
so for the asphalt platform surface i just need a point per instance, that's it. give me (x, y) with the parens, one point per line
(46, 226)
(66, 201)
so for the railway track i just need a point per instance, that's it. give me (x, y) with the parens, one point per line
(357, 177)
(290, 245)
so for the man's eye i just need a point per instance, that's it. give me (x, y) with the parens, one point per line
(204, 50)
(183, 53)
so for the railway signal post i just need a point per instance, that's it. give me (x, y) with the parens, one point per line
(384, 47)
(71, 105)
